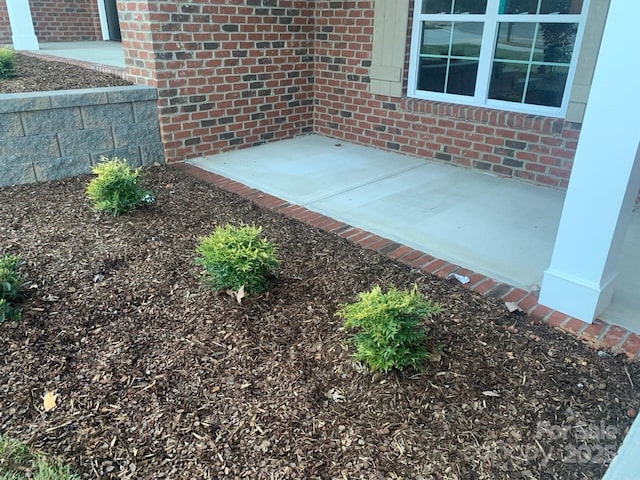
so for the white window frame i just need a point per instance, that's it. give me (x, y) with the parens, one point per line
(491, 21)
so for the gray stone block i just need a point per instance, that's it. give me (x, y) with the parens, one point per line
(78, 98)
(16, 174)
(45, 121)
(100, 116)
(130, 154)
(151, 154)
(15, 150)
(55, 168)
(136, 134)
(145, 111)
(133, 93)
(85, 141)
(10, 125)
(24, 102)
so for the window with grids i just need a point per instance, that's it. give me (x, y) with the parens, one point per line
(516, 55)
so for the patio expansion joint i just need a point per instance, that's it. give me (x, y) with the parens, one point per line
(370, 181)
(310, 202)
(598, 334)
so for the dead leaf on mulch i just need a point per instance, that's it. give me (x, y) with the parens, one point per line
(49, 400)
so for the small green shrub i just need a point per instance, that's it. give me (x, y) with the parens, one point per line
(17, 462)
(388, 332)
(10, 283)
(7, 58)
(116, 189)
(233, 257)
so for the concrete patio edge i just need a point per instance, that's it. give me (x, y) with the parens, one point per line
(598, 334)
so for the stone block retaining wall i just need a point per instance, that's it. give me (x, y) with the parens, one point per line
(51, 135)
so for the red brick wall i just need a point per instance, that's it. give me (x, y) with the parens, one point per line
(5, 26)
(65, 20)
(531, 148)
(237, 73)
(230, 73)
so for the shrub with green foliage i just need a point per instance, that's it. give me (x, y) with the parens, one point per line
(10, 283)
(233, 257)
(17, 462)
(116, 189)
(388, 331)
(7, 58)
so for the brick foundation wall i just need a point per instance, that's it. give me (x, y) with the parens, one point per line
(229, 74)
(531, 148)
(66, 20)
(5, 25)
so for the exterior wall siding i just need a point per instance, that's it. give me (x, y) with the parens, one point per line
(66, 20)
(530, 148)
(58, 20)
(5, 25)
(229, 74)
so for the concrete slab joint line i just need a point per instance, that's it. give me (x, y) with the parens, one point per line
(360, 185)
(610, 337)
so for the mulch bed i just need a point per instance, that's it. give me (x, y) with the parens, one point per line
(37, 75)
(159, 377)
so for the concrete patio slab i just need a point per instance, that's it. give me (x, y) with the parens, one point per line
(499, 228)
(102, 53)
(303, 170)
(626, 464)
(625, 307)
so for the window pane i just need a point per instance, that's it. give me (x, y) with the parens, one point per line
(561, 6)
(507, 81)
(515, 41)
(470, 6)
(555, 42)
(519, 6)
(467, 38)
(436, 6)
(546, 85)
(436, 38)
(462, 77)
(431, 74)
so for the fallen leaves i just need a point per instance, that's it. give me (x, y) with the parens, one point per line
(237, 294)
(49, 400)
(490, 393)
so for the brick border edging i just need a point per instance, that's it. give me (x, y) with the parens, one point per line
(120, 72)
(598, 334)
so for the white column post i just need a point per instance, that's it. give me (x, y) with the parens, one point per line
(605, 178)
(104, 26)
(23, 35)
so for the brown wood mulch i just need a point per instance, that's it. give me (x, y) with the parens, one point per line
(158, 377)
(34, 74)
